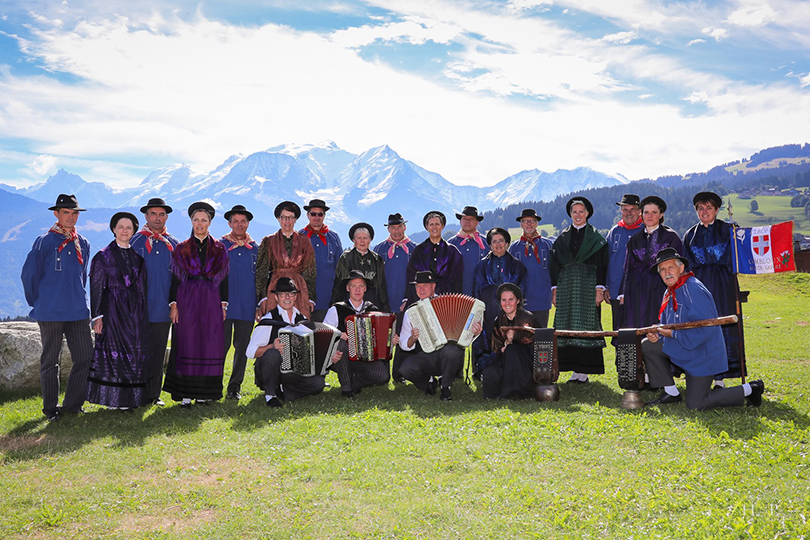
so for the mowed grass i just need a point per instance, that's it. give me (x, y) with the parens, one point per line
(772, 209)
(397, 464)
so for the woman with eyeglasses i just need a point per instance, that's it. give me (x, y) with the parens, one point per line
(286, 254)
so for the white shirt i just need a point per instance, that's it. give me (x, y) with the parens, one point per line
(331, 317)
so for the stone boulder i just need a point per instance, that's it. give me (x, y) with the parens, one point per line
(20, 349)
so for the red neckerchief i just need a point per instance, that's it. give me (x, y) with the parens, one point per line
(671, 294)
(474, 236)
(393, 248)
(321, 234)
(531, 242)
(238, 243)
(635, 225)
(71, 236)
(152, 236)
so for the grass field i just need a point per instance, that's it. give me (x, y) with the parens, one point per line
(772, 209)
(397, 464)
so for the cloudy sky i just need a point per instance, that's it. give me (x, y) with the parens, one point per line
(475, 90)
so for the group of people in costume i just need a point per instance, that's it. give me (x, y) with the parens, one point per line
(210, 294)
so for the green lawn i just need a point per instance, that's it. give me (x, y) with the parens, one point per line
(397, 464)
(772, 209)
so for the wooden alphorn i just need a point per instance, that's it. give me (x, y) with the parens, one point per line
(718, 321)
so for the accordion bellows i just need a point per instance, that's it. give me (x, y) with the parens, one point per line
(370, 336)
(308, 348)
(444, 318)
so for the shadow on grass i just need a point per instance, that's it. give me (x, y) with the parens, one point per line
(31, 439)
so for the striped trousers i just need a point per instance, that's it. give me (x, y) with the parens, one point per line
(77, 334)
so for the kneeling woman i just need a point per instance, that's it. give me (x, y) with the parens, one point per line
(510, 373)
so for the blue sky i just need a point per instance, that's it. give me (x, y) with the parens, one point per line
(475, 91)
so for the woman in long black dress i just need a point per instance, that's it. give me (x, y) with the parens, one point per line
(579, 259)
(509, 375)
(119, 372)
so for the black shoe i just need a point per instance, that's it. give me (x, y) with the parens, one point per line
(158, 402)
(233, 395)
(665, 399)
(446, 394)
(398, 378)
(64, 411)
(53, 416)
(280, 393)
(185, 405)
(274, 403)
(433, 383)
(348, 394)
(757, 389)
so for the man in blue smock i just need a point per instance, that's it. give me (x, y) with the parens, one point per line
(328, 250)
(534, 252)
(54, 276)
(242, 252)
(699, 352)
(617, 238)
(470, 243)
(155, 245)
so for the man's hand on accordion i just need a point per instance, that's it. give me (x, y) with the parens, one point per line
(337, 356)
(476, 327)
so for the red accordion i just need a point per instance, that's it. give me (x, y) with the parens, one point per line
(370, 336)
(444, 318)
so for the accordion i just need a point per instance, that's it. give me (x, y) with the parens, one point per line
(371, 336)
(308, 348)
(629, 363)
(444, 318)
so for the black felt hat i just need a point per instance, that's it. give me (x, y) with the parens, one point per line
(470, 211)
(316, 203)
(657, 201)
(498, 230)
(238, 209)
(156, 202)
(580, 200)
(66, 201)
(355, 274)
(201, 205)
(630, 198)
(395, 219)
(528, 212)
(284, 284)
(120, 215)
(289, 206)
(710, 196)
(361, 225)
(434, 213)
(667, 254)
(423, 276)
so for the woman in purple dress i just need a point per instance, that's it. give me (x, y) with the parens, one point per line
(198, 302)
(641, 287)
(118, 373)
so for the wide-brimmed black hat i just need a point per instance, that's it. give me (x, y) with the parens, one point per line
(514, 289)
(284, 284)
(361, 225)
(581, 200)
(355, 274)
(498, 230)
(201, 205)
(289, 206)
(157, 202)
(66, 201)
(470, 211)
(630, 198)
(434, 213)
(528, 212)
(395, 219)
(710, 196)
(423, 276)
(667, 254)
(119, 215)
(316, 203)
(657, 201)
(238, 209)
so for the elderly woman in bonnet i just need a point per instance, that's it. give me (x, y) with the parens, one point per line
(579, 259)
(119, 370)
(368, 262)
(198, 300)
(509, 375)
(641, 289)
(707, 246)
(286, 254)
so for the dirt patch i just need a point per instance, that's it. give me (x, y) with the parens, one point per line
(19, 443)
(172, 518)
(802, 323)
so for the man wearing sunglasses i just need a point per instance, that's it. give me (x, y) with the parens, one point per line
(328, 249)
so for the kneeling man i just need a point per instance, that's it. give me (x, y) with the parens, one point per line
(354, 376)
(266, 348)
(699, 352)
(421, 368)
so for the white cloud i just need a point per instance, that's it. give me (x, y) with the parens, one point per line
(754, 13)
(621, 38)
(805, 81)
(716, 33)
(414, 30)
(695, 42)
(44, 165)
